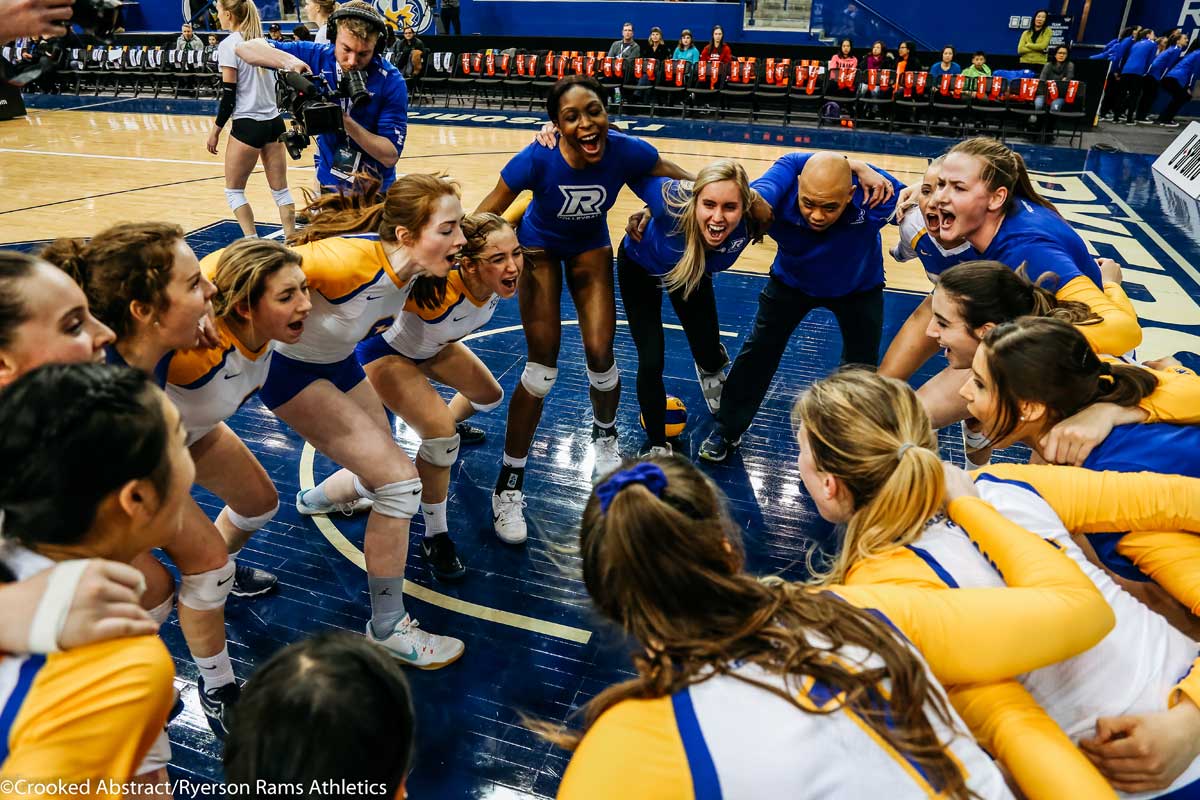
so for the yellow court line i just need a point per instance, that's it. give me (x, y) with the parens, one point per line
(347, 549)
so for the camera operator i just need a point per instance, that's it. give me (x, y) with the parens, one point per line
(375, 129)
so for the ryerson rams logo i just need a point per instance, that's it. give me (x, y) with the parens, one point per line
(582, 202)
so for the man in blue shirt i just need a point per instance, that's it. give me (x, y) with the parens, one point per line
(830, 256)
(375, 130)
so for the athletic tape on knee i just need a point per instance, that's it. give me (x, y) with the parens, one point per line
(236, 198)
(605, 381)
(362, 490)
(250, 524)
(484, 407)
(400, 500)
(440, 452)
(163, 610)
(206, 591)
(538, 379)
(283, 197)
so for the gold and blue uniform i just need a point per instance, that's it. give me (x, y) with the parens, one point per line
(722, 738)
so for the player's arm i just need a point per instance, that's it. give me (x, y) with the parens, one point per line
(1117, 331)
(669, 169)
(498, 200)
(911, 348)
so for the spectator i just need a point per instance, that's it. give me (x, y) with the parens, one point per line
(880, 58)
(843, 59)
(449, 14)
(1031, 49)
(1164, 61)
(1057, 69)
(408, 55)
(906, 59)
(332, 695)
(1137, 64)
(212, 40)
(625, 47)
(717, 50)
(656, 47)
(848, 25)
(275, 32)
(188, 40)
(318, 12)
(946, 66)
(301, 33)
(686, 49)
(1178, 83)
(979, 67)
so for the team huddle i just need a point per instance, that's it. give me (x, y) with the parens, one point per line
(1027, 630)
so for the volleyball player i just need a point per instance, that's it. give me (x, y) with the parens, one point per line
(144, 281)
(830, 256)
(749, 688)
(91, 712)
(248, 96)
(319, 389)
(869, 460)
(695, 230)
(423, 345)
(565, 227)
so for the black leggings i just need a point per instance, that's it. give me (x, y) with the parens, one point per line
(641, 294)
(1179, 98)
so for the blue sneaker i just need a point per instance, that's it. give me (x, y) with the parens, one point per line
(716, 448)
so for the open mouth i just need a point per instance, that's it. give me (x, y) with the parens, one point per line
(510, 284)
(947, 221)
(297, 326)
(716, 231)
(100, 356)
(590, 143)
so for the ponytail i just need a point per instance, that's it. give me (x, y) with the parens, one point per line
(989, 292)
(1002, 167)
(873, 434)
(408, 204)
(245, 16)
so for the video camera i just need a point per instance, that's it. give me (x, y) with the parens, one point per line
(97, 18)
(314, 107)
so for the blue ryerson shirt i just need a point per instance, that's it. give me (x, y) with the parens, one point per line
(1040, 239)
(385, 114)
(662, 244)
(569, 211)
(846, 257)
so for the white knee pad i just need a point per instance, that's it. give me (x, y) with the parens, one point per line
(440, 452)
(236, 198)
(362, 490)
(401, 500)
(283, 197)
(605, 381)
(538, 379)
(207, 590)
(163, 610)
(489, 406)
(250, 524)
(158, 756)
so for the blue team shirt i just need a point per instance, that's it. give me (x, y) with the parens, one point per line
(661, 246)
(1035, 235)
(845, 258)
(385, 114)
(569, 211)
(1185, 71)
(1164, 61)
(937, 70)
(1116, 51)
(1139, 58)
(111, 356)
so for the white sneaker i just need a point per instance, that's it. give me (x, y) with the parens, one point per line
(508, 516)
(608, 456)
(711, 385)
(417, 648)
(357, 506)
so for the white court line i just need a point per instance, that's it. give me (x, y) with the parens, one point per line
(493, 331)
(127, 158)
(79, 108)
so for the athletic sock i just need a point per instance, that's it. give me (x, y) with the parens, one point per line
(387, 604)
(601, 430)
(316, 496)
(217, 670)
(435, 518)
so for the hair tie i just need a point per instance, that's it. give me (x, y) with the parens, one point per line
(1105, 368)
(647, 474)
(902, 449)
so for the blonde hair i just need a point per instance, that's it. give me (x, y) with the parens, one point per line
(681, 205)
(245, 16)
(872, 434)
(1002, 167)
(242, 272)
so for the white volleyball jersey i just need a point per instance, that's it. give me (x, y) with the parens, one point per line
(916, 242)
(208, 384)
(421, 333)
(1131, 671)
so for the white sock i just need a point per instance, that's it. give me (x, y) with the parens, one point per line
(435, 518)
(514, 462)
(216, 670)
(604, 425)
(316, 496)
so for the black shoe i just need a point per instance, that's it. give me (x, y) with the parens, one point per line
(252, 582)
(443, 557)
(716, 448)
(469, 434)
(217, 705)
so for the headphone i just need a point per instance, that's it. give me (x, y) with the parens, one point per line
(370, 16)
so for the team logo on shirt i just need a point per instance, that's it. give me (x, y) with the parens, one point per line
(582, 202)
(732, 246)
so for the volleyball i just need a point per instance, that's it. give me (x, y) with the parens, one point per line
(676, 417)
